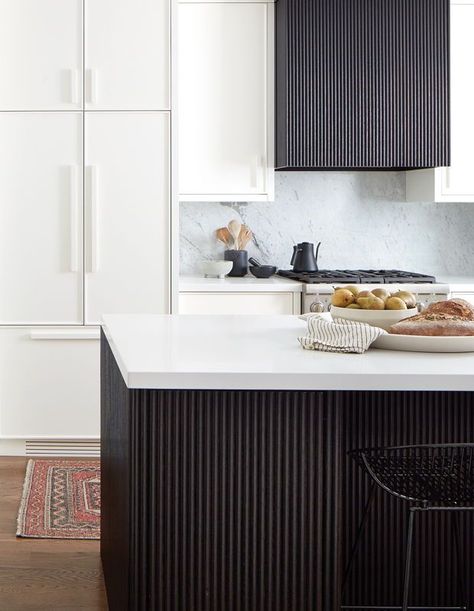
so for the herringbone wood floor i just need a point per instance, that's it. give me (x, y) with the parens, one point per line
(43, 575)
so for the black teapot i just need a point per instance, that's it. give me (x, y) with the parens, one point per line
(304, 258)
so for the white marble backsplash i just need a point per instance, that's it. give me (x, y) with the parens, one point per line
(361, 218)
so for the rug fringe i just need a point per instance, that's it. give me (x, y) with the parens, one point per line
(25, 495)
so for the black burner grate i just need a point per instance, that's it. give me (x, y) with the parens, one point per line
(359, 276)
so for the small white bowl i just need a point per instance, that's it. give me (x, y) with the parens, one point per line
(377, 318)
(216, 269)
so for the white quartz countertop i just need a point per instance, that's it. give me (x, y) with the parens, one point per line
(198, 284)
(262, 352)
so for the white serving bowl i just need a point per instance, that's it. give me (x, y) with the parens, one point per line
(377, 318)
(216, 269)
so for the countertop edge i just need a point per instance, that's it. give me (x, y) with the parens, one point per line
(295, 382)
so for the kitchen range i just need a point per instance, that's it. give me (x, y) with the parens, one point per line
(319, 285)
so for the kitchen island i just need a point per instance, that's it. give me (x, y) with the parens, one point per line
(226, 484)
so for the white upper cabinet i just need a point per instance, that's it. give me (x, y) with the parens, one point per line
(127, 54)
(126, 213)
(40, 218)
(225, 101)
(40, 54)
(456, 183)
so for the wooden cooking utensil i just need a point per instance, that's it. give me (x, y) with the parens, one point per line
(245, 236)
(234, 229)
(223, 235)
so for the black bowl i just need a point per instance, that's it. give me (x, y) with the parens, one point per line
(262, 271)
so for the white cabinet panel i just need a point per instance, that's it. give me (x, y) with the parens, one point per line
(127, 213)
(48, 388)
(127, 54)
(40, 54)
(225, 100)
(239, 303)
(456, 183)
(40, 218)
(459, 178)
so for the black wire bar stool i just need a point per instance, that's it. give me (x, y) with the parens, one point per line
(436, 477)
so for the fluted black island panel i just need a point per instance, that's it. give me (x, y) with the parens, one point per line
(216, 500)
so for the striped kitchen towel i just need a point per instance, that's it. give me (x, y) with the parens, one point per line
(338, 335)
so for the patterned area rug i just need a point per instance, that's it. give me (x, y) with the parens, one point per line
(61, 500)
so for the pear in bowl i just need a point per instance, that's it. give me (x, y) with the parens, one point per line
(342, 298)
(395, 303)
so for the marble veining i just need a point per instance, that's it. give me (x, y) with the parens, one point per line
(361, 218)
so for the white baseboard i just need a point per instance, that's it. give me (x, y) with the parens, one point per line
(50, 447)
(12, 447)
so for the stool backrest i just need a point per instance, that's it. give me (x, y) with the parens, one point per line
(440, 474)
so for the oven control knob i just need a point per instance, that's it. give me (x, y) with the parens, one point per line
(317, 307)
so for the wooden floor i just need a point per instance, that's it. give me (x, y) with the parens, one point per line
(48, 574)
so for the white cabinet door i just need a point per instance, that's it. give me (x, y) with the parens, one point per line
(40, 218)
(40, 54)
(127, 213)
(456, 183)
(459, 178)
(127, 54)
(225, 101)
(49, 387)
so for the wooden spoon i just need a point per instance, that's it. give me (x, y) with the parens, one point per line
(223, 235)
(234, 229)
(245, 236)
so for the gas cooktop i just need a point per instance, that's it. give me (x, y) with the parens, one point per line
(358, 276)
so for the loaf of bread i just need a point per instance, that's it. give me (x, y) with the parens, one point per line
(450, 318)
(456, 307)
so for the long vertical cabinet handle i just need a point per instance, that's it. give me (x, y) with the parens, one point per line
(92, 187)
(447, 177)
(254, 172)
(91, 85)
(258, 167)
(74, 86)
(263, 168)
(73, 219)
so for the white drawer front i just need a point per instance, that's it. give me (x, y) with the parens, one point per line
(49, 383)
(236, 303)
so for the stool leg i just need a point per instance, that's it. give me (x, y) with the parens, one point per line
(358, 539)
(406, 583)
(457, 544)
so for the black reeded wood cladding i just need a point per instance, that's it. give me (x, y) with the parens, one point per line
(246, 500)
(227, 499)
(362, 84)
